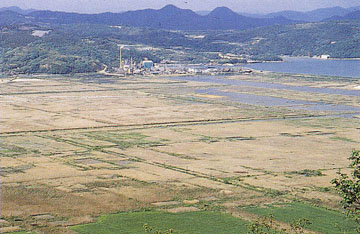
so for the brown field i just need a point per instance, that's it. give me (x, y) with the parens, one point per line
(72, 149)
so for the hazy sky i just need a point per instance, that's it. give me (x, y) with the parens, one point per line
(252, 6)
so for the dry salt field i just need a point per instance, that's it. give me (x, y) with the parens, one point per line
(85, 151)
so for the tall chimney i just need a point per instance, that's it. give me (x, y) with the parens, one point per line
(120, 58)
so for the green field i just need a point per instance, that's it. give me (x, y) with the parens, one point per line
(203, 222)
(323, 220)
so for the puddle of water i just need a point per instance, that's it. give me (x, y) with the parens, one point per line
(218, 80)
(276, 101)
(328, 107)
(97, 81)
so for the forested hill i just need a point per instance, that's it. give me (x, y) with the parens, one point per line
(314, 15)
(355, 15)
(69, 48)
(339, 39)
(11, 17)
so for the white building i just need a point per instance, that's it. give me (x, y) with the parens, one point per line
(325, 56)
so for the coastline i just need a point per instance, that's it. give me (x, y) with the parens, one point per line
(311, 66)
(308, 57)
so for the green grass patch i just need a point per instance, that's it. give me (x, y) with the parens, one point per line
(11, 150)
(209, 139)
(202, 222)
(126, 140)
(336, 138)
(232, 180)
(323, 220)
(308, 173)
(328, 123)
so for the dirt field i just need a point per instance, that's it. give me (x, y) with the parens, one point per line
(75, 148)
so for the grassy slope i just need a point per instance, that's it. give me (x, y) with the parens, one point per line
(186, 223)
(323, 220)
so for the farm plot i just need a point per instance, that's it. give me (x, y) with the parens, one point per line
(73, 150)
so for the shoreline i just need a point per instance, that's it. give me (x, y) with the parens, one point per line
(308, 57)
(312, 66)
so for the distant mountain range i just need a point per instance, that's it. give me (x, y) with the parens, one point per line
(355, 15)
(17, 10)
(309, 16)
(173, 18)
(169, 17)
(313, 16)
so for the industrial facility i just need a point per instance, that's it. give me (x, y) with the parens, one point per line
(148, 67)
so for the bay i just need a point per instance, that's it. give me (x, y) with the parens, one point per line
(327, 67)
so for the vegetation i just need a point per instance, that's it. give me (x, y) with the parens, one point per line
(342, 139)
(267, 225)
(322, 220)
(349, 188)
(151, 230)
(77, 48)
(308, 172)
(336, 38)
(186, 223)
(64, 50)
(263, 225)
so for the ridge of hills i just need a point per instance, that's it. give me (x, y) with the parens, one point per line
(168, 17)
(354, 15)
(173, 18)
(77, 48)
(60, 42)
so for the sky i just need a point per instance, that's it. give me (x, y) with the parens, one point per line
(249, 6)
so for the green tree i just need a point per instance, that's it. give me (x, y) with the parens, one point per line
(150, 230)
(267, 225)
(349, 188)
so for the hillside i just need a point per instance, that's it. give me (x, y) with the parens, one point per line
(10, 17)
(355, 15)
(312, 16)
(336, 38)
(72, 48)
